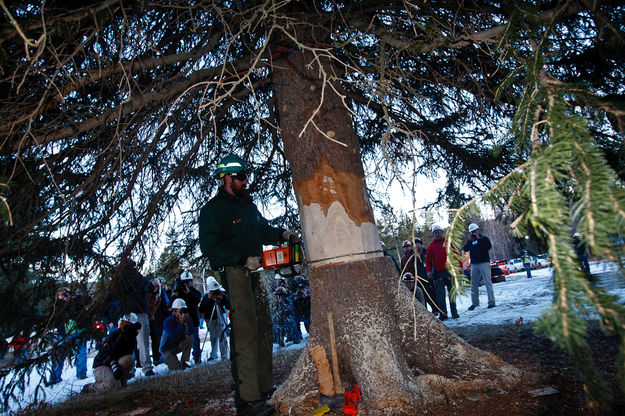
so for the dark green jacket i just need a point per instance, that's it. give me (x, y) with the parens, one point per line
(232, 229)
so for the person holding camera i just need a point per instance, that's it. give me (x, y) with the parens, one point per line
(114, 363)
(213, 306)
(478, 246)
(184, 289)
(177, 336)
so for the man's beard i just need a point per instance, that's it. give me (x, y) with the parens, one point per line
(241, 192)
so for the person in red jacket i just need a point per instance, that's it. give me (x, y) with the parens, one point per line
(436, 268)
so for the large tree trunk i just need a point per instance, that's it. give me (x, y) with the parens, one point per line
(396, 351)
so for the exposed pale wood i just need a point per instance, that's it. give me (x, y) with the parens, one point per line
(324, 377)
(338, 385)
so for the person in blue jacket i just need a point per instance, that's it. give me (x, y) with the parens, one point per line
(177, 336)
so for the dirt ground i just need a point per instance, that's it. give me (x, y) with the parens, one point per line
(207, 390)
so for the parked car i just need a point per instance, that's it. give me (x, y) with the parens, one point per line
(502, 264)
(543, 260)
(511, 267)
(496, 274)
(518, 265)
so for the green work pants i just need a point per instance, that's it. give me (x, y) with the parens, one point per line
(251, 339)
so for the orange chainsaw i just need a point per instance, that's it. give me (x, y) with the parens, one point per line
(285, 257)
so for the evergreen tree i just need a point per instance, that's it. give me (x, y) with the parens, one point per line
(114, 114)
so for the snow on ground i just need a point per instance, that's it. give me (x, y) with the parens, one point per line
(521, 297)
(517, 297)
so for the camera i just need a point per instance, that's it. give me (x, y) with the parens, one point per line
(177, 286)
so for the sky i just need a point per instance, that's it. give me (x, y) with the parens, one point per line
(517, 297)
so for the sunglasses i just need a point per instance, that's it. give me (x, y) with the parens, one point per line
(242, 176)
(184, 310)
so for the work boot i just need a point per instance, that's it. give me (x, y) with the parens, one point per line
(257, 408)
(472, 307)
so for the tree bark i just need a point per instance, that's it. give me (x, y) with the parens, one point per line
(398, 353)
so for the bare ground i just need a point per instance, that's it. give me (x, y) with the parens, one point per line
(207, 390)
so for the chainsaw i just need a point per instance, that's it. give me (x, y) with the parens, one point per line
(284, 258)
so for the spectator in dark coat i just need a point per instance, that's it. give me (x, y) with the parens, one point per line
(133, 290)
(301, 306)
(412, 263)
(114, 363)
(478, 246)
(284, 323)
(158, 303)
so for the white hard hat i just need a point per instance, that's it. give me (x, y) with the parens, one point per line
(472, 227)
(186, 276)
(179, 304)
(212, 284)
(437, 227)
(577, 235)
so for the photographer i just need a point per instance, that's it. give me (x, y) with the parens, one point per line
(177, 336)
(213, 307)
(114, 363)
(184, 289)
(478, 245)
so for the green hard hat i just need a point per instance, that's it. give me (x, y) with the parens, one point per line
(230, 164)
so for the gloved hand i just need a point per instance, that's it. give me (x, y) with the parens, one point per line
(117, 370)
(290, 236)
(253, 263)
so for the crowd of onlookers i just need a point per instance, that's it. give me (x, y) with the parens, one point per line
(424, 271)
(290, 308)
(146, 322)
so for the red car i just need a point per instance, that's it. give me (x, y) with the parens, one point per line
(502, 264)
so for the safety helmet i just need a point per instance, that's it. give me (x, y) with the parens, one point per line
(406, 243)
(437, 227)
(408, 276)
(186, 276)
(178, 304)
(212, 284)
(473, 227)
(577, 235)
(417, 240)
(230, 164)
